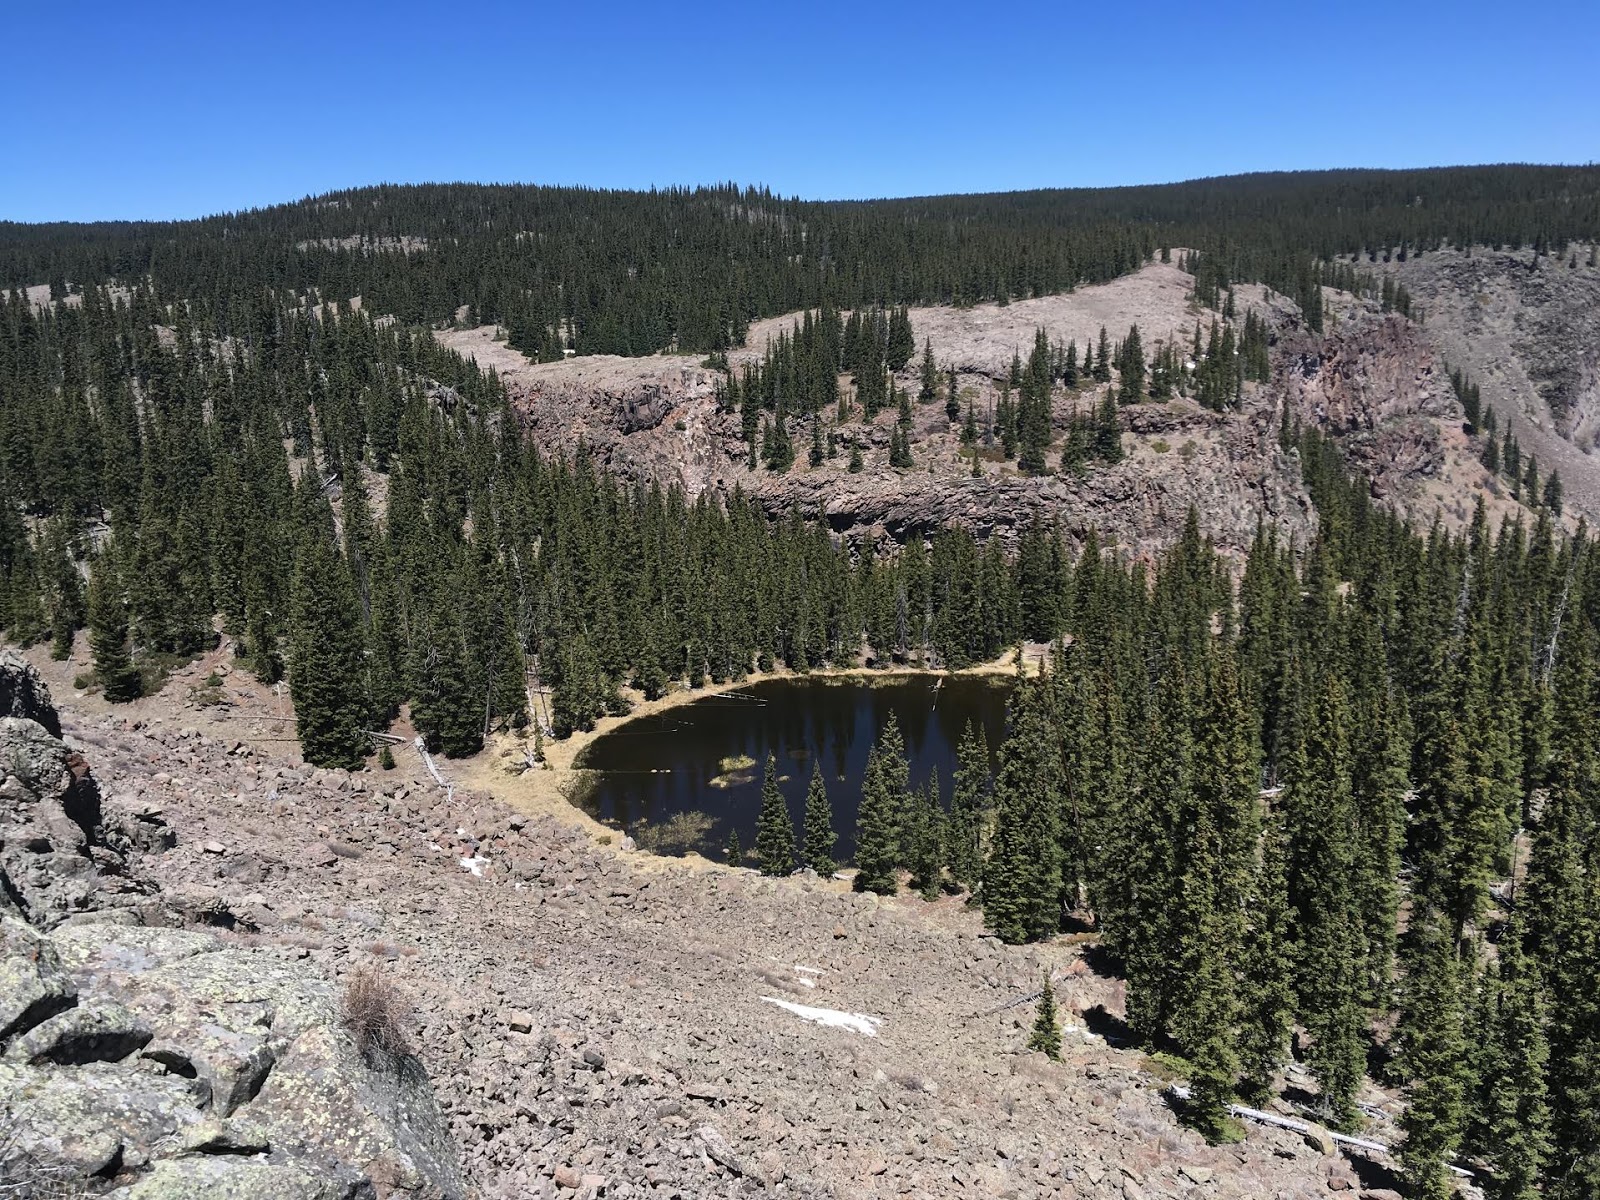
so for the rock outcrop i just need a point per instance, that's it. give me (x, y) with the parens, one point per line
(23, 695)
(153, 1063)
(1526, 329)
(1373, 381)
(53, 856)
(1374, 384)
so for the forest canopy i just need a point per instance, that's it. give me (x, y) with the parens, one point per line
(626, 272)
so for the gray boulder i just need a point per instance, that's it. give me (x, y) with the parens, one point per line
(168, 1064)
(89, 1117)
(33, 984)
(99, 1031)
(23, 694)
(222, 1051)
(49, 820)
(236, 1179)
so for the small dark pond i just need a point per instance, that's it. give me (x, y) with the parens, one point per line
(680, 781)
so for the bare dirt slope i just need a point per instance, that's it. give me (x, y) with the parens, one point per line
(981, 339)
(601, 1023)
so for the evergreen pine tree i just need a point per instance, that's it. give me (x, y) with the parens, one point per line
(927, 841)
(1433, 1056)
(876, 830)
(1266, 990)
(882, 818)
(819, 837)
(1132, 368)
(1108, 431)
(1513, 1103)
(326, 665)
(1045, 1036)
(774, 829)
(902, 343)
(1319, 816)
(1552, 493)
(108, 633)
(968, 806)
(929, 389)
(1022, 878)
(900, 448)
(447, 707)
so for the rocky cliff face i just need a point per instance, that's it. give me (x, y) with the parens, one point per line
(1375, 382)
(1527, 330)
(156, 1063)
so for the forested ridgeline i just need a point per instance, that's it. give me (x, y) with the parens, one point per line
(635, 272)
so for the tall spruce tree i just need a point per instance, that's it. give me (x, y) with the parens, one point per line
(818, 835)
(1022, 878)
(877, 829)
(1266, 989)
(108, 632)
(882, 821)
(774, 829)
(927, 839)
(1320, 819)
(968, 807)
(326, 664)
(1433, 1052)
(1512, 1098)
(928, 390)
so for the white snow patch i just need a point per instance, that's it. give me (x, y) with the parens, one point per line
(855, 1022)
(475, 865)
(802, 973)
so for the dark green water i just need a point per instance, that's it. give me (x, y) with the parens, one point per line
(656, 768)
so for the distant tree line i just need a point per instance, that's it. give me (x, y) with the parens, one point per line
(599, 271)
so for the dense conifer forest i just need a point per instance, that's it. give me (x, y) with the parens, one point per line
(636, 272)
(1344, 805)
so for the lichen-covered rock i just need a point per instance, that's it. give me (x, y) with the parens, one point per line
(23, 694)
(33, 984)
(249, 1036)
(67, 1114)
(49, 810)
(183, 1044)
(93, 949)
(98, 1031)
(377, 1111)
(234, 1179)
(168, 1063)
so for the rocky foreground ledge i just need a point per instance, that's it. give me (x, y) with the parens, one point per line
(597, 1025)
(157, 1063)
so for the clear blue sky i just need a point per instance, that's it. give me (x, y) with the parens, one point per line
(166, 109)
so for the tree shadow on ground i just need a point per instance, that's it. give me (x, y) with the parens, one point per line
(1114, 1029)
